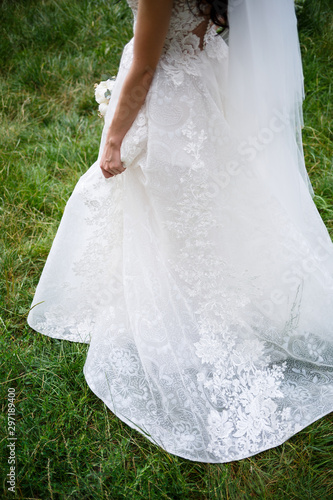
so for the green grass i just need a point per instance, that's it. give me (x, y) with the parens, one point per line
(69, 445)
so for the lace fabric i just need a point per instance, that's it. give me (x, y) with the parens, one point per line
(208, 310)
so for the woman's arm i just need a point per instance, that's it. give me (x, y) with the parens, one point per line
(152, 25)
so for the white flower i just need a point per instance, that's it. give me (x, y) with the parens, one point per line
(103, 92)
(102, 108)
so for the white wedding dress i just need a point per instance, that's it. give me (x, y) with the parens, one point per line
(207, 306)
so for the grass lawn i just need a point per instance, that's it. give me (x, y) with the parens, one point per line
(69, 445)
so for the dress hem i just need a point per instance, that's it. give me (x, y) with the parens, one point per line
(152, 440)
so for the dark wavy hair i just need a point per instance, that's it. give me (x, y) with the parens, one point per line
(218, 11)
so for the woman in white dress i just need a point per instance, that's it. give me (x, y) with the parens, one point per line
(191, 256)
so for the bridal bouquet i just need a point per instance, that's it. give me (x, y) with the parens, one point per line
(103, 92)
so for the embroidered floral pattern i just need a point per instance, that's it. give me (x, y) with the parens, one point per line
(206, 307)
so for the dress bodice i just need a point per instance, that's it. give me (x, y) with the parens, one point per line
(187, 36)
(183, 19)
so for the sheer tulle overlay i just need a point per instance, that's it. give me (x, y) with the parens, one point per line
(208, 307)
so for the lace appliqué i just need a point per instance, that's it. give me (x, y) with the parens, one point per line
(182, 46)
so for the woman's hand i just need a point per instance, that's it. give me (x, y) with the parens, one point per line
(111, 163)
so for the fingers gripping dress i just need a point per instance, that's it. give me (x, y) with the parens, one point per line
(207, 307)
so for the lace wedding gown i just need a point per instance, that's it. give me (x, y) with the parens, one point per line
(207, 307)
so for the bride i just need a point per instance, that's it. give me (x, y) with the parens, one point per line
(191, 256)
